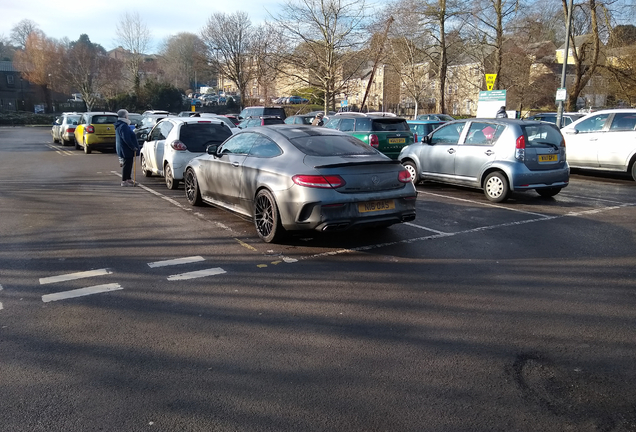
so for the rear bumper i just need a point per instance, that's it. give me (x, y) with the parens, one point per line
(558, 178)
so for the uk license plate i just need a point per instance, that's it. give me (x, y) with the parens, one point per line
(397, 140)
(373, 206)
(548, 158)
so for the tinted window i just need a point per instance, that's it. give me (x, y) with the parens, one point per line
(239, 144)
(624, 121)
(71, 119)
(198, 136)
(346, 125)
(542, 134)
(592, 124)
(264, 147)
(390, 125)
(332, 145)
(448, 134)
(483, 133)
(165, 128)
(333, 124)
(104, 119)
(272, 121)
(363, 125)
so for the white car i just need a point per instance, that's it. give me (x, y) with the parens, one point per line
(603, 140)
(174, 141)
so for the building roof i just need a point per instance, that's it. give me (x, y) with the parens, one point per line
(7, 66)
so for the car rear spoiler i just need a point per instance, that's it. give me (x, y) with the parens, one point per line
(347, 164)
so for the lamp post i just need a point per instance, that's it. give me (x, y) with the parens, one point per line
(566, 55)
(22, 93)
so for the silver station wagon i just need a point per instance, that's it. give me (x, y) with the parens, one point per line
(496, 155)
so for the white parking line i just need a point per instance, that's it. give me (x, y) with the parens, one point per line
(591, 198)
(197, 274)
(484, 204)
(60, 151)
(177, 261)
(424, 228)
(81, 292)
(74, 276)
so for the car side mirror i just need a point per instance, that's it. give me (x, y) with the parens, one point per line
(144, 136)
(426, 139)
(212, 149)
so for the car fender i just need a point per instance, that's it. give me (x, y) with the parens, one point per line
(501, 166)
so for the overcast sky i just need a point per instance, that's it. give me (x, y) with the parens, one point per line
(98, 18)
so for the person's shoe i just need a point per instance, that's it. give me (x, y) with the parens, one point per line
(126, 184)
(132, 183)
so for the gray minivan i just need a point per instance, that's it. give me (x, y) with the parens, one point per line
(496, 155)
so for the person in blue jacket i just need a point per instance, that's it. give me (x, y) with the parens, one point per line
(127, 147)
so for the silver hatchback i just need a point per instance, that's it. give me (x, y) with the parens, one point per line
(496, 155)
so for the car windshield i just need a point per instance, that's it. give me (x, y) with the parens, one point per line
(197, 136)
(332, 145)
(390, 125)
(71, 119)
(542, 135)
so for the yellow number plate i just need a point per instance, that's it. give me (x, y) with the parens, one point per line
(548, 158)
(373, 206)
(397, 140)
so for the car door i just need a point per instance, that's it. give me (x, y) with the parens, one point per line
(437, 157)
(583, 140)
(477, 152)
(616, 151)
(225, 176)
(154, 149)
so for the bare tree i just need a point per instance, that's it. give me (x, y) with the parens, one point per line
(489, 21)
(588, 26)
(21, 31)
(182, 56)
(83, 62)
(229, 39)
(323, 37)
(134, 36)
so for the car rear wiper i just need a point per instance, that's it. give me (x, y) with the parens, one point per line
(554, 146)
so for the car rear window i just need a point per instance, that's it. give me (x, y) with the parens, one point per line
(104, 119)
(273, 121)
(541, 135)
(197, 136)
(390, 125)
(332, 145)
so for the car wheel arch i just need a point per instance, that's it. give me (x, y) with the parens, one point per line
(491, 170)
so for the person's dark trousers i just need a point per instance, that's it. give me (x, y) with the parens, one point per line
(127, 169)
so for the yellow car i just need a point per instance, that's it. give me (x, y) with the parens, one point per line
(95, 131)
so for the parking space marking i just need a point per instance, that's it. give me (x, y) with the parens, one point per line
(60, 151)
(424, 228)
(469, 231)
(483, 204)
(197, 274)
(1, 307)
(74, 276)
(81, 292)
(591, 198)
(177, 261)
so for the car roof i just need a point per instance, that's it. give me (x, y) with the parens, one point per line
(100, 113)
(368, 115)
(425, 121)
(191, 120)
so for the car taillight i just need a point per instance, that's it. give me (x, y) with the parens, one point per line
(404, 176)
(178, 145)
(374, 141)
(70, 130)
(90, 129)
(317, 181)
(414, 137)
(520, 148)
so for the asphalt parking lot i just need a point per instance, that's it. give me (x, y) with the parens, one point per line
(125, 308)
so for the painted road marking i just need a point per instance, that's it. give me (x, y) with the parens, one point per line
(81, 292)
(60, 151)
(424, 228)
(178, 261)
(197, 274)
(483, 204)
(74, 276)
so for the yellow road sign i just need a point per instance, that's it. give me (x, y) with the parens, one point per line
(490, 81)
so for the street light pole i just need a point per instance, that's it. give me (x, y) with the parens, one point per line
(566, 55)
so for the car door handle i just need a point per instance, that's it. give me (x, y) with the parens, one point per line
(451, 150)
(235, 164)
(489, 153)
